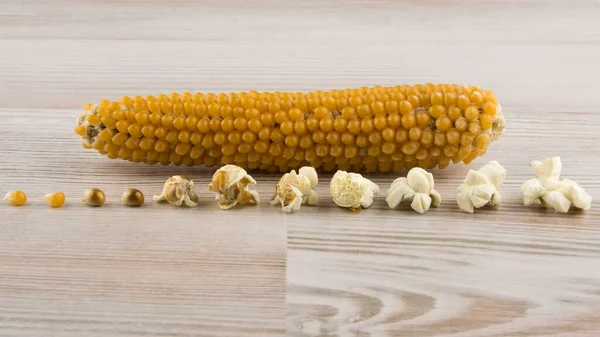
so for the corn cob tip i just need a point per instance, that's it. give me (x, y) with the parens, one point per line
(498, 125)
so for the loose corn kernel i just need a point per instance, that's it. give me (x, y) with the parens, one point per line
(132, 197)
(94, 197)
(16, 198)
(56, 199)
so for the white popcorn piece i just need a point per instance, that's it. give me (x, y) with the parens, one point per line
(295, 189)
(575, 194)
(548, 190)
(417, 185)
(352, 190)
(230, 184)
(179, 191)
(480, 187)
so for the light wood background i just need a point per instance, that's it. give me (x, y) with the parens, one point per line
(159, 271)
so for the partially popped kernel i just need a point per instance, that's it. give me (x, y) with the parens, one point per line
(352, 190)
(230, 184)
(179, 191)
(295, 189)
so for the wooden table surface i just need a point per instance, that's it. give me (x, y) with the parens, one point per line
(254, 271)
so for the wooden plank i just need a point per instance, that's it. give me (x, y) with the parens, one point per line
(160, 271)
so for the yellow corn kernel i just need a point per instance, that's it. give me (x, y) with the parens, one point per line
(471, 113)
(135, 130)
(16, 198)
(369, 128)
(486, 121)
(56, 199)
(119, 139)
(126, 101)
(106, 135)
(98, 145)
(490, 108)
(122, 126)
(109, 121)
(93, 119)
(80, 130)
(103, 112)
(94, 197)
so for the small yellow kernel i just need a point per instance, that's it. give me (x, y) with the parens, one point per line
(405, 107)
(454, 112)
(490, 108)
(106, 135)
(16, 198)
(486, 121)
(56, 199)
(109, 121)
(94, 119)
(474, 128)
(436, 111)
(463, 102)
(471, 113)
(437, 98)
(477, 98)
(80, 130)
(444, 123)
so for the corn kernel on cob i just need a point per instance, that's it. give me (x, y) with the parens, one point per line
(373, 129)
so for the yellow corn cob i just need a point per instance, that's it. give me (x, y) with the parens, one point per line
(375, 129)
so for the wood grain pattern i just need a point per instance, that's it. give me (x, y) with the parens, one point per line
(117, 271)
(513, 271)
(160, 271)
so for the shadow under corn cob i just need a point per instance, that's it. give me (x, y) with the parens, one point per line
(373, 129)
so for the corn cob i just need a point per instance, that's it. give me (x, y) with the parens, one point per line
(372, 129)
